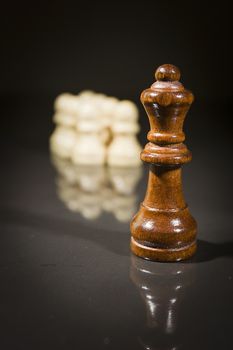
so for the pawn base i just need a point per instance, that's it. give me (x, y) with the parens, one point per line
(163, 255)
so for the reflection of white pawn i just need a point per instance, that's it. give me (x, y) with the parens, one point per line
(92, 180)
(68, 194)
(66, 182)
(125, 148)
(124, 207)
(65, 169)
(124, 181)
(89, 148)
(90, 205)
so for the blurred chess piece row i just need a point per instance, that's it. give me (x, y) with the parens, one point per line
(94, 129)
(92, 190)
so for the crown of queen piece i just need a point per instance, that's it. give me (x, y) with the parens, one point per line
(166, 103)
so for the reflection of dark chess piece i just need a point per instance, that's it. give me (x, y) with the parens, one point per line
(164, 229)
(162, 287)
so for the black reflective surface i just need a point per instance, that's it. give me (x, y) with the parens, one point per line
(68, 280)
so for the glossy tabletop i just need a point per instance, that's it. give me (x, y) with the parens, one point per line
(68, 279)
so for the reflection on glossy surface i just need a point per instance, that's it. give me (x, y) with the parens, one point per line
(91, 190)
(66, 284)
(162, 287)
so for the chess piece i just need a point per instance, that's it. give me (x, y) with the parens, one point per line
(124, 149)
(64, 136)
(164, 229)
(104, 105)
(62, 141)
(65, 107)
(89, 148)
(86, 95)
(107, 109)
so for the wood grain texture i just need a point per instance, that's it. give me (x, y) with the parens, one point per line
(163, 229)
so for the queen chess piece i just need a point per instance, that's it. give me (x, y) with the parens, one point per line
(163, 229)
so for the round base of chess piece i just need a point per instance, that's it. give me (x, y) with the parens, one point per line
(163, 234)
(163, 254)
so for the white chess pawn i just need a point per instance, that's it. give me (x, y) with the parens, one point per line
(97, 100)
(66, 106)
(61, 102)
(124, 150)
(86, 95)
(88, 149)
(62, 141)
(107, 109)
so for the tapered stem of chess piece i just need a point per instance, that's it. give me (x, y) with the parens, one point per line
(163, 229)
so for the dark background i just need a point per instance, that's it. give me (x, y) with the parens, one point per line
(114, 48)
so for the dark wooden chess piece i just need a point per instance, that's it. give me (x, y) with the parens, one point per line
(164, 229)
